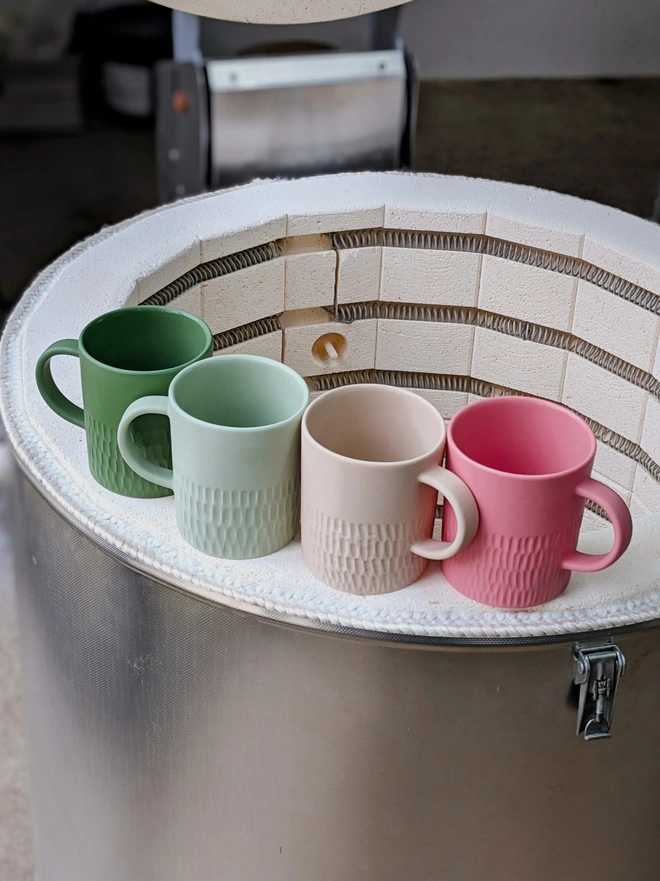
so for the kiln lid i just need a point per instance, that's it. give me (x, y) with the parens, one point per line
(281, 11)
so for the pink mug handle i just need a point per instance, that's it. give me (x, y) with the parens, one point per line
(617, 510)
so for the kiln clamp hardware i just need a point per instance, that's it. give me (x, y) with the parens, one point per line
(598, 670)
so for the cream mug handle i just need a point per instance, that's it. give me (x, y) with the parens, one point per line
(465, 510)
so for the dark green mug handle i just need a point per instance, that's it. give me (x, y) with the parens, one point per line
(46, 384)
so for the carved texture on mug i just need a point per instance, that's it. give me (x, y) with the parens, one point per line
(513, 572)
(109, 468)
(237, 524)
(363, 558)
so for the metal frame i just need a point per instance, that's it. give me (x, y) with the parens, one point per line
(185, 86)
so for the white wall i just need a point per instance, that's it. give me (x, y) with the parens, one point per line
(476, 39)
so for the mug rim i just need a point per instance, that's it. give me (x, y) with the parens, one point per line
(543, 402)
(219, 359)
(372, 463)
(168, 310)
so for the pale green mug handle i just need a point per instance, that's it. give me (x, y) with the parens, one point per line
(153, 404)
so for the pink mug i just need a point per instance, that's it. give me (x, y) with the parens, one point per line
(528, 464)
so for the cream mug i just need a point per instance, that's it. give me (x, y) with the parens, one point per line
(370, 482)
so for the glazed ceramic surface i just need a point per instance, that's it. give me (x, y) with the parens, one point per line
(236, 453)
(370, 483)
(528, 464)
(124, 355)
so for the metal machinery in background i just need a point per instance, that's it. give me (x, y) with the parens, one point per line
(279, 113)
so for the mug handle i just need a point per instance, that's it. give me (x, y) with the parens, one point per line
(465, 510)
(152, 404)
(48, 388)
(617, 510)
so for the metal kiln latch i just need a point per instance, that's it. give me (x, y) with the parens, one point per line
(597, 673)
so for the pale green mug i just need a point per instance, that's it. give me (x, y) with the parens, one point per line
(235, 425)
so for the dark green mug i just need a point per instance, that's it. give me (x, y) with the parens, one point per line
(125, 355)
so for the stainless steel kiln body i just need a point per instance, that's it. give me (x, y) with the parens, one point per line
(177, 740)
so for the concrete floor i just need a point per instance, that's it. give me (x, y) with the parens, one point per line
(598, 140)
